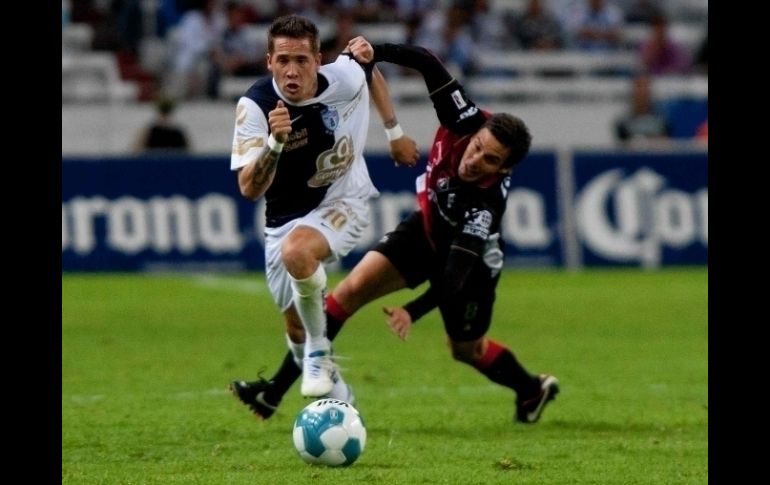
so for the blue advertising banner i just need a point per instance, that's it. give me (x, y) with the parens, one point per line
(184, 213)
(641, 209)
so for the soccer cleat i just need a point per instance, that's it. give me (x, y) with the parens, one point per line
(341, 390)
(529, 410)
(252, 394)
(317, 369)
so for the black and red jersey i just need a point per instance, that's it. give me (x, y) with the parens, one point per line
(455, 212)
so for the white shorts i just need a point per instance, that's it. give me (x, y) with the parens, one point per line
(341, 221)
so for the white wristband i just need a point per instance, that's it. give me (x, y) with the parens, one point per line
(394, 133)
(274, 145)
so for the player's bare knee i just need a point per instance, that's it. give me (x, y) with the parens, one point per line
(461, 351)
(298, 260)
(468, 352)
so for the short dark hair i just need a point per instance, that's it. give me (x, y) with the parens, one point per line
(295, 27)
(512, 133)
(165, 105)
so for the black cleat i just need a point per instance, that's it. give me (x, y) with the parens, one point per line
(529, 410)
(252, 394)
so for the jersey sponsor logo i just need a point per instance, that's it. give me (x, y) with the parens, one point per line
(458, 99)
(333, 163)
(478, 224)
(330, 118)
(296, 139)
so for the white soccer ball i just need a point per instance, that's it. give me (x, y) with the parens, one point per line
(329, 432)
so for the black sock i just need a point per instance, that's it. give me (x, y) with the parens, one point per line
(333, 327)
(288, 373)
(283, 379)
(507, 371)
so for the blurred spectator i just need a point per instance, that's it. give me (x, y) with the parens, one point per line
(412, 28)
(596, 25)
(660, 54)
(162, 133)
(488, 27)
(363, 11)
(168, 14)
(192, 47)
(701, 62)
(257, 11)
(642, 11)
(106, 29)
(409, 9)
(642, 122)
(129, 18)
(305, 8)
(702, 133)
(446, 33)
(537, 28)
(66, 12)
(235, 54)
(342, 33)
(84, 11)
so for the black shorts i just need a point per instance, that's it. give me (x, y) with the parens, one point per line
(468, 315)
(409, 251)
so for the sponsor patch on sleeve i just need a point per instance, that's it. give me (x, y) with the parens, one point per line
(458, 99)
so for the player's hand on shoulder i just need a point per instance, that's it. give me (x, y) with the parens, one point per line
(280, 123)
(404, 151)
(399, 321)
(361, 49)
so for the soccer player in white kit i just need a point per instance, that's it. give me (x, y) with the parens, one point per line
(299, 140)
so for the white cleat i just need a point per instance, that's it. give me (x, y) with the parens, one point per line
(341, 391)
(317, 369)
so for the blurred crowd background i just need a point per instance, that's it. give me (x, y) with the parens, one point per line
(591, 72)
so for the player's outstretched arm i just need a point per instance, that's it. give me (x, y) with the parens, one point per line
(455, 110)
(403, 149)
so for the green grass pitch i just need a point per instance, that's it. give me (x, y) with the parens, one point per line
(146, 360)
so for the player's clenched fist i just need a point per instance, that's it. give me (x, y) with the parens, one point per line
(361, 49)
(404, 151)
(280, 123)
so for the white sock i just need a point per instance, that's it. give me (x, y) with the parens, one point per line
(309, 302)
(297, 350)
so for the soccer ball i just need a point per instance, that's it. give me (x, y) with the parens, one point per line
(329, 432)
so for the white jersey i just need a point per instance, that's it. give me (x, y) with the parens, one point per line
(322, 159)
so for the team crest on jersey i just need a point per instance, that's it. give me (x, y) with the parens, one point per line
(330, 118)
(442, 183)
(333, 163)
(478, 224)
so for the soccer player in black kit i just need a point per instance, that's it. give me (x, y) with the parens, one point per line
(452, 240)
